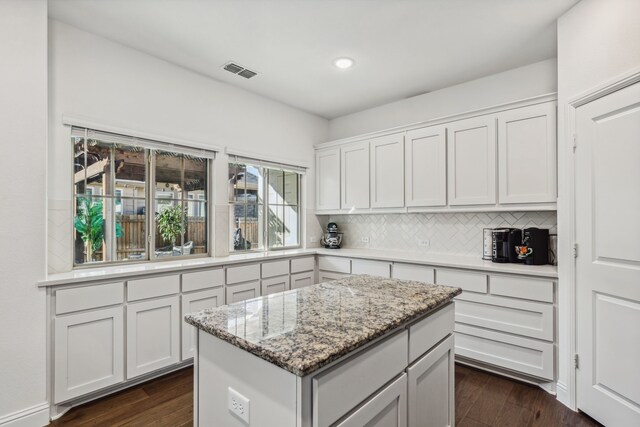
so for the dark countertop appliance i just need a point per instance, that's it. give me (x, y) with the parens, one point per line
(534, 249)
(503, 243)
(332, 239)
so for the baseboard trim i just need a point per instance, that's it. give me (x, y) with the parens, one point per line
(563, 395)
(37, 415)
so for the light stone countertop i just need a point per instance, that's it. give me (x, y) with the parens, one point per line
(125, 271)
(304, 329)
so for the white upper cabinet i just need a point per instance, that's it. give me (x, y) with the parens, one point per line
(387, 171)
(355, 176)
(472, 161)
(426, 167)
(527, 154)
(328, 179)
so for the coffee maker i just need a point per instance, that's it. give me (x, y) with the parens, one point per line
(503, 243)
(332, 239)
(535, 246)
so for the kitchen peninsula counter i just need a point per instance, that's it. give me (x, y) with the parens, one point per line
(347, 339)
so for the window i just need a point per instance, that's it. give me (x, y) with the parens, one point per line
(264, 206)
(116, 178)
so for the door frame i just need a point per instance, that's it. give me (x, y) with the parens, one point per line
(567, 290)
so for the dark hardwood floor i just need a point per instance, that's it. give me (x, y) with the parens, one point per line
(482, 399)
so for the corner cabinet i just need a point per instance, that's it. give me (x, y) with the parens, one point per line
(527, 154)
(387, 171)
(425, 152)
(328, 179)
(354, 176)
(472, 161)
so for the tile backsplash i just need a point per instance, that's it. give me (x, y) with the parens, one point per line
(447, 233)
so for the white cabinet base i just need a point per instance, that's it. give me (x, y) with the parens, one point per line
(153, 335)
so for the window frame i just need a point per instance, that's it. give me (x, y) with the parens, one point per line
(150, 228)
(264, 206)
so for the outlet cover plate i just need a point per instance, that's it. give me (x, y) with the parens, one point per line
(238, 405)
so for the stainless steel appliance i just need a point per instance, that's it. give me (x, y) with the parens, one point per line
(332, 239)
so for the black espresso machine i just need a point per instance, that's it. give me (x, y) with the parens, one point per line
(529, 246)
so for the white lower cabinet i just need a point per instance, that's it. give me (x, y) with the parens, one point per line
(372, 268)
(89, 352)
(273, 285)
(431, 388)
(192, 302)
(242, 291)
(327, 276)
(153, 335)
(388, 408)
(302, 280)
(419, 273)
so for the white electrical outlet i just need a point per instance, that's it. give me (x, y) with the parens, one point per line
(365, 239)
(238, 405)
(424, 243)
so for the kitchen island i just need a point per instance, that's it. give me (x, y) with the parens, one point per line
(349, 352)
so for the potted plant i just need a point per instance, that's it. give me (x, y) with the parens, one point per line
(171, 222)
(89, 223)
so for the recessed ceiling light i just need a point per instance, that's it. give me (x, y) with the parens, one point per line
(343, 63)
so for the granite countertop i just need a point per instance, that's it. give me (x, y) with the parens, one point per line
(305, 329)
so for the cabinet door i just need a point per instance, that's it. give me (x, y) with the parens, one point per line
(426, 167)
(387, 171)
(327, 276)
(328, 179)
(431, 388)
(243, 291)
(195, 302)
(472, 161)
(153, 332)
(302, 280)
(388, 408)
(354, 176)
(88, 352)
(527, 154)
(275, 284)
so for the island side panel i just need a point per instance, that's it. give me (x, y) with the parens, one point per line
(272, 391)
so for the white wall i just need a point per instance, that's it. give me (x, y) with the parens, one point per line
(512, 85)
(597, 42)
(23, 130)
(105, 81)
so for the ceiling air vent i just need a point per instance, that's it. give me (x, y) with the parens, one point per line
(239, 70)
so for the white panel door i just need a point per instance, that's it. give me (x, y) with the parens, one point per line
(387, 171)
(153, 335)
(274, 285)
(354, 176)
(425, 153)
(243, 291)
(302, 280)
(195, 302)
(431, 388)
(608, 263)
(328, 179)
(527, 154)
(89, 352)
(472, 161)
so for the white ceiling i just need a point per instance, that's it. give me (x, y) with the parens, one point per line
(401, 47)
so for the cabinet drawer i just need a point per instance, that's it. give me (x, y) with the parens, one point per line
(152, 287)
(519, 354)
(372, 268)
(202, 280)
(298, 265)
(338, 390)
(528, 318)
(327, 276)
(522, 287)
(76, 299)
(243, 291)
(430, 331)
(335, 264)
(275, 284)
(243, 273)
(387, 408)
(419, 273)
(467, 280)
(301, 280)
(275, 268)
